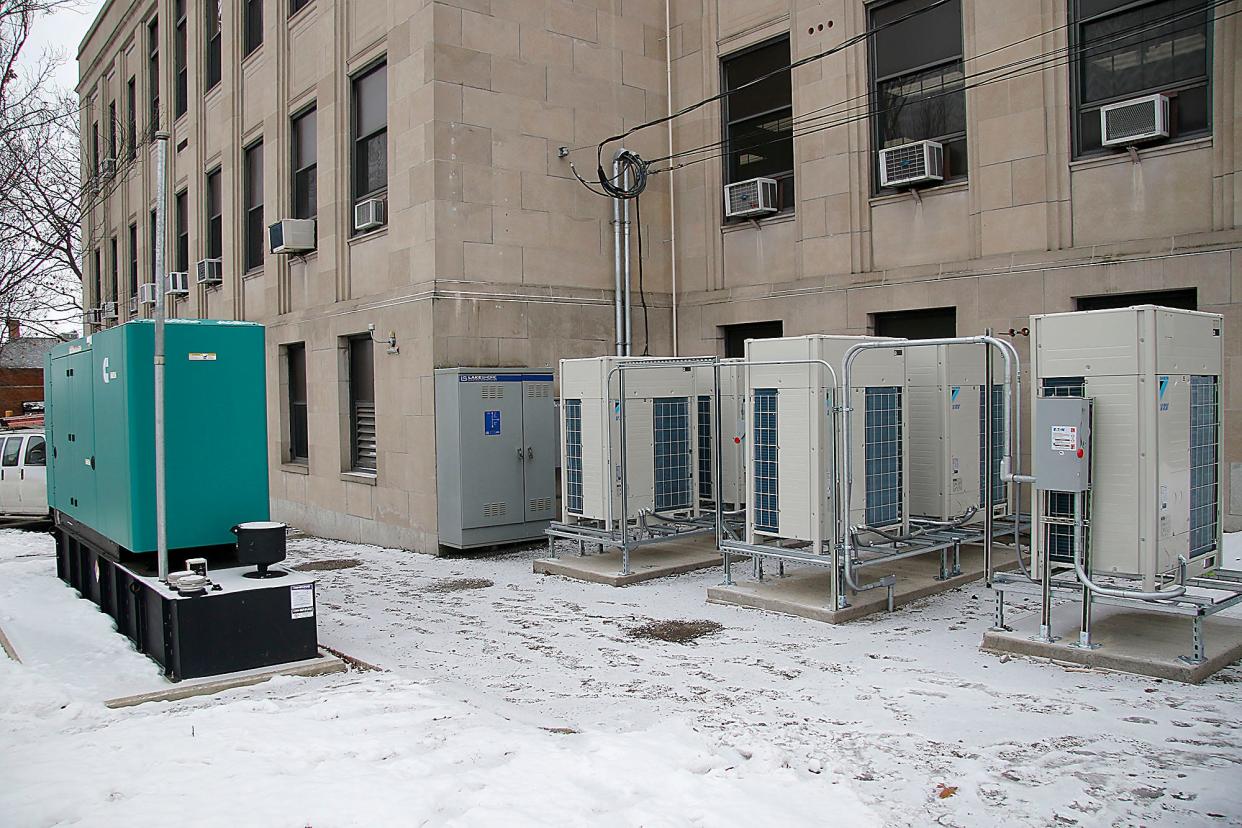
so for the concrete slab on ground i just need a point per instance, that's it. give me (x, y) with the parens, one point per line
(1131, 641)
(804, 590)
(325, 664)
(646, 562)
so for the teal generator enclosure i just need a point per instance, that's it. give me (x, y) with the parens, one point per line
(100, 404)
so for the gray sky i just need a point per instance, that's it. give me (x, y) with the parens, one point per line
(61, 32)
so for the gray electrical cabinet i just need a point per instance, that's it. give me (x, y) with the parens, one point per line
(1062, 450)
(495, 455)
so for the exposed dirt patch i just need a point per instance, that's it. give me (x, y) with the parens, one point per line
(677, 632)
(459, 585)
(329, 565)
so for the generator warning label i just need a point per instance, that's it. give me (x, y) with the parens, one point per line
(491, 423)
(302, 601)
(1064, 438)
(202, 357)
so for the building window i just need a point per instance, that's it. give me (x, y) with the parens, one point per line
(133, 260)
(758, 117)
(735, 336)
(95, 167)
(304, 155)
(154, 240)
(918, 84)
(212, 8)
(131, 117)
(296, 6)
(183, 232)
(114, 253)
(181, 100)
(370, 131)
(362, 404)
(97, 275)
(253, 198)
(215, 217)
(252, 13)
(1126, 49)
(295, 359)
(1184, 298)
(153, 71)
(924, 323)
(112, 131)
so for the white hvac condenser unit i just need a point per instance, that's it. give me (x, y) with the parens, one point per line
(661, 471)
(945, 385)
(793, 463)
(732, 443)
(1142, 450)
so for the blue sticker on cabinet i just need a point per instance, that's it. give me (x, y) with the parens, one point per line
(491, 422)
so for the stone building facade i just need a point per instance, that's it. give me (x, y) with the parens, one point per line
(493, 254)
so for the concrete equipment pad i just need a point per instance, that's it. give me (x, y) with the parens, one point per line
(805, 590)
(325, 664)
(1131, 641)
(646, 562)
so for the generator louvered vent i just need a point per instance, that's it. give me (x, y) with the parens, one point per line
(672, 452)
(536, 390)
(766, 469)
(539, 504)
(910, 164)
(1135, 121)
(573, 456)
(751, 198)
(492, 391)
(494, 509)
(364, 435)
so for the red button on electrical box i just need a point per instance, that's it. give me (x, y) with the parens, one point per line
(1080, 454)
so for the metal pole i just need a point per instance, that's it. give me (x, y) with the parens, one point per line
(1045, 583)
(988, 473)
(625, 487)
(161, 505)
(616, 261)
(629, 328)
(1081, 549)
(718, 460)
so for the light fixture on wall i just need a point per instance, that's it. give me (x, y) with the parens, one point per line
(391, 341)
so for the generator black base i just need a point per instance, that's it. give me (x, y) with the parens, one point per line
(239, 624)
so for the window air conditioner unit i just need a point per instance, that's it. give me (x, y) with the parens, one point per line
(107, 168)
(107, 311)
(1134, 121)
(91, 316)
(919, 163)
(292, 236)
(210, 271)
(178, 284)
(146, 293)
(751, 198)
(133, 306)
(370, 214)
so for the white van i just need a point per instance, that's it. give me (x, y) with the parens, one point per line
(23, 473)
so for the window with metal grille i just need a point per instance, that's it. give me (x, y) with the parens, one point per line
(1059, 506)
(758, 117)
(573, 456)
(766, 467)
(1123, 49)
(918, 80)
(998, 444)
(882, 454)
(705, 448)
(363, 444)
(672, 452)
(1204, 472)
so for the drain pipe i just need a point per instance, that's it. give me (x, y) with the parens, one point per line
(672, 192)
(625, 223)
(616, 261)
(847, 482)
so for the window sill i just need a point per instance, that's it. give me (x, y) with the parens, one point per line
(735, 225)
(904, 195)
(368, 235)
(295, 468)
(251, 57)
(365, 478)
(252, 273)
(1157, 151)
(301, 14)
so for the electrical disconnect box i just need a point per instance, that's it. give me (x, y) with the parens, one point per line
(1154, 378)
(1062, 451)
(732, 444)
(495, 455)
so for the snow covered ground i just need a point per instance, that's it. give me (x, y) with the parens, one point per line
(524, 699)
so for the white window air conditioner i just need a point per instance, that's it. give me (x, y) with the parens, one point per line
(210, 271)
(370, 214)
(292, 236)
(146, 293)
(91, 316)
(107, 168)
(751, 198)
(1135, 121)
(178, 284)
(107, 311)
(909, 164)
(133, 306)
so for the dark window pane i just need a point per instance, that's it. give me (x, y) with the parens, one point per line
(183, 232)
(372, 160)
(153, 72)
(304, 167)
(253, 13)
(133, 259)
(253, 198)
(131, 117)
(926, 38)
(298, 441)
(761, 147)
(296, 6)
(12, 450)
(1191, 110)
(765, 95)
(115, 267)
(370, 123)
(759, 118)
(362, 403)
(36, 452)
(922, 106)
(212, 33)
(371, 101)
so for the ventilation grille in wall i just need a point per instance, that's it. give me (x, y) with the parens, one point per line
(492, 510)
(672, 452)
(766, 469)
(705, 448)
(573, 456)
(492, 391)
(882, 455)
(535, 390)
(1204, 439)
(539, 504)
